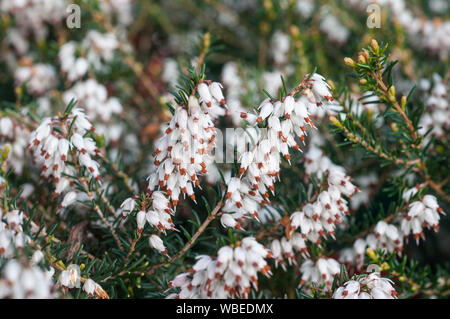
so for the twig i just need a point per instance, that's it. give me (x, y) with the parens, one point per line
(215, 213)
(100, 213)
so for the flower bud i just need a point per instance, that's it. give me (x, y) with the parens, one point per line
(374, 45)
(350, 62)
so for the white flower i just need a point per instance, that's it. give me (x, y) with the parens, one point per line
(372, 286)
(127, 206)
(424, 213)
(321, 271)
(231, 274)
(70, 278)
(37, 257)
(89, 287)
(6, 127)
(141, 220)
(260, 166)
(280, 44)
(39, 78)
(93, 97)
(69, 199)
(320, 218)
(20, 281)
(227, 221)
(157, 243)
(50, 148)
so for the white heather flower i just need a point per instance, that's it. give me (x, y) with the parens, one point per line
(304, 7)
(74, 67)
(70, 277)
(128, 206)
(6, 127)
(319, 219)
(170, 72)
(140, 220)
(321, 271)
(284, 249)
(216, 91)
(371, 286)
(19, 281)
(100, 48)
(89, 287)
(205, 94)
(11, 233)
(260, 166)
(37, 257)
(182, 152)
(280, 44)
(93, 97)
(14, 135)
(408, 194)
(32, 16)
(39, 78)
(121, 9)
(437, 114)
(157, 243)
(159, 214)
(69, 199)
(228, 221)
(424, 213)
(320, 88)
(27, 190)
(388, 237)
(231, 274)
(14, 219)
(333, 28)
(92, 288)
(50, 148)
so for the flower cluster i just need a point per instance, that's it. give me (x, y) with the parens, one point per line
(286, 248)
(31, 16)
(184, 150)
(437, 116)
(429, 35)
(372, 286)
(286, 120)
(21, 277)
(62, 140)
(332, 27)
(390, 237)
(14, 138)
(93, 98)
(319, 219)
(39, 78)
(421, 214)
(98, 49)
(11, 233)
(20, 280)
(230, 274)
(280, 47)
(315, 160)
(71, 278)
(320, 272)
(121, 10)
(159, 215)
(233, 83)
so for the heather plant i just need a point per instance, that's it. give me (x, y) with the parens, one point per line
(224, 149)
